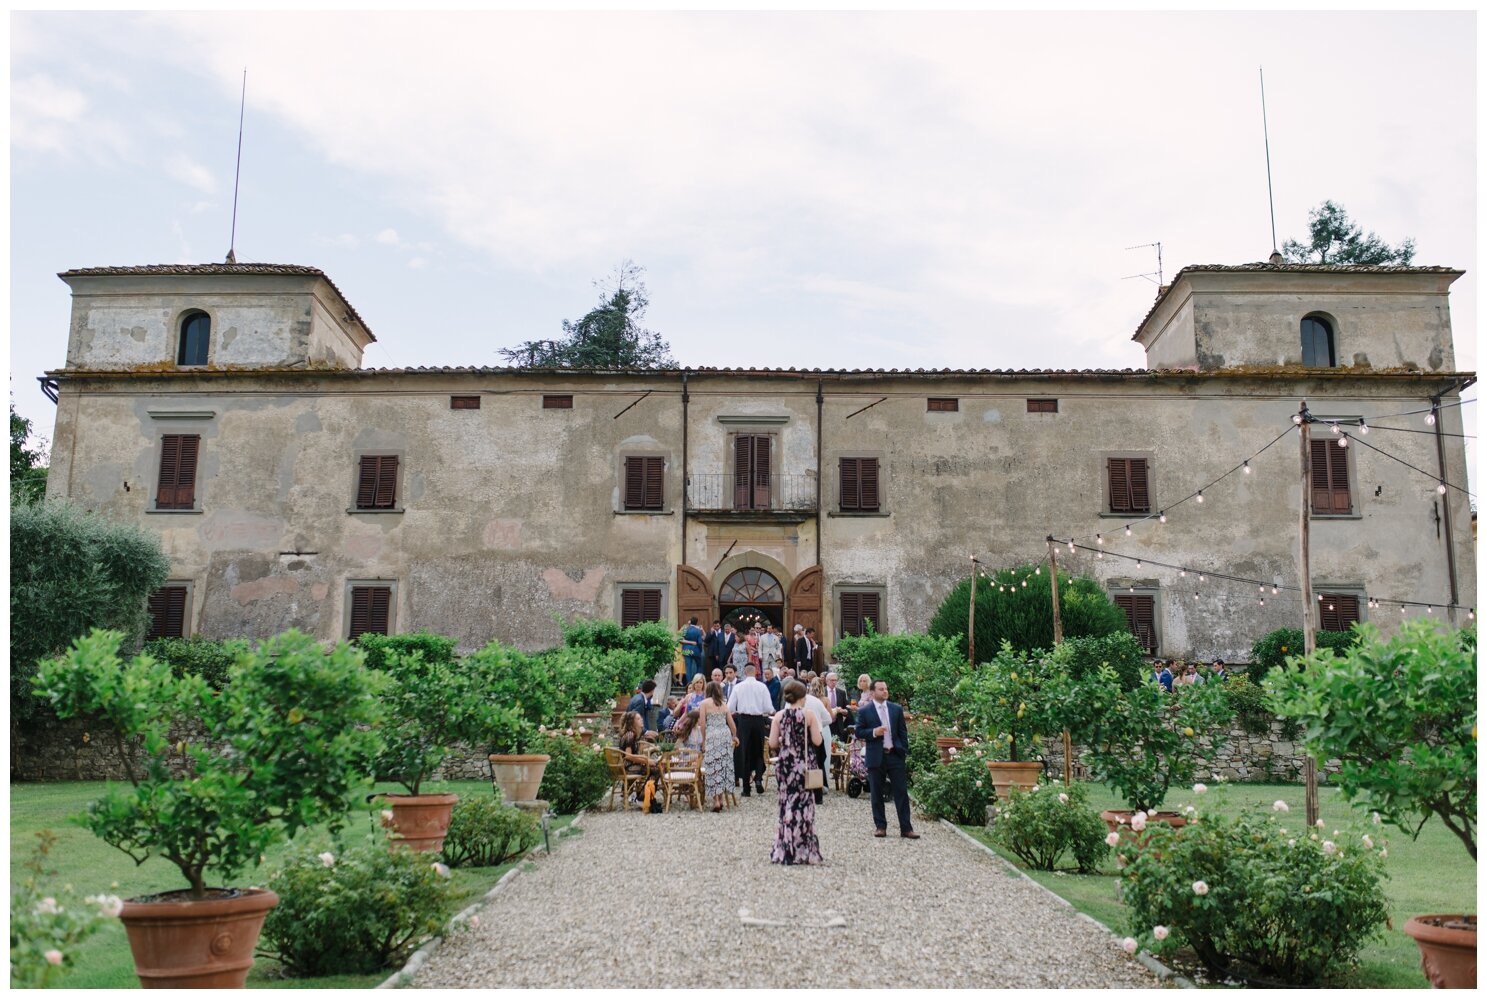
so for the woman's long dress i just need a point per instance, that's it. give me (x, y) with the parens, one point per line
(795, 842)
(717, 758)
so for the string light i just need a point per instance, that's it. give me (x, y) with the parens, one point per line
(1440, 487)
(1430, 418)
(1471, 615)
(1099, 539)
(1246, 468)
(1163, 517)
(1343, 441)
(1128, 530)
(1362, 426)
(1182, 572)
(1336, 428)
(1296, 419)
(1429, 609)
(1200, 496)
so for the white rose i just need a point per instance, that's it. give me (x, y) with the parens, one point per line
(328, 859)
(1160, 932)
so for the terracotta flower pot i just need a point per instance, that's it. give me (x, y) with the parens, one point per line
(1006, 775)
(1448, 949)
(946, 743)
(420, 822)
(585, 736)
(519, 777)
(183, 944)
(1119, 820)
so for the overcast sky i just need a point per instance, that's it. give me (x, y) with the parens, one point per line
(832, 190)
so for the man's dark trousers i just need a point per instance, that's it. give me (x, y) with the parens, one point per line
(893, 769)
(750, 748)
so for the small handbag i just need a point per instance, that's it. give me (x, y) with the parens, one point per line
(815, 778)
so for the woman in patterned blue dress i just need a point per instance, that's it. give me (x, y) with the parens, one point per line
(793, 731)
(719, 738)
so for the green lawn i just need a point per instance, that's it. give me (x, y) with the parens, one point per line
(92, 867)
(1431, 874)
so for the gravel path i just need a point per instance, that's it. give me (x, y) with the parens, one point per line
(612, 907)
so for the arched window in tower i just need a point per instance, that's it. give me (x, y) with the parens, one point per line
(196, 333)
(1318, 348)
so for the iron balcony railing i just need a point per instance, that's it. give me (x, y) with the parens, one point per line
(723, 491)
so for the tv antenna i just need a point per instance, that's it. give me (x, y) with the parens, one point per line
(1155, 275)
(1269, 185)
(237, 176)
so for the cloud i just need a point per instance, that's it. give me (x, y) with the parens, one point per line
(43, 113)
(186, 170)
(387, 237)
(418, 263)
(344, 241)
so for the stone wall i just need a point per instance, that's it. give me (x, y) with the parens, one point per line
(1246, 758)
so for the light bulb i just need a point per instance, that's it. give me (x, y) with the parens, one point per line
(1262, 601)
(1296, 419)
(1200, 496)
(1182, 572)
(1202, 578)
(1099, 539)
(1163, 517)
(1024, 583)
(1038, 571)
(1275, 589)
(1429, 610)
(1430, 419)
(1441, 488)
(1195, 594)
(1471, 615)
(1362, 426)
(1138, 563)
(1246, 468)
(1331, 607)
(1342, 441)
(1130, 589)
(1128, 530)
(1336, 428)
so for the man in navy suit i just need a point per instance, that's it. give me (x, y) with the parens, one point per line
(881, 725)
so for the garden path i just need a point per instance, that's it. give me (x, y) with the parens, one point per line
(609, 908)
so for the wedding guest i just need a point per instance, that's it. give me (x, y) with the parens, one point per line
(773, 683)
(632, 733)
(750, 705)
(803, 650)
(836, 703)
(816, 705)
(692, 649)
(794, 732)
(881, 724)
(1220, 671)
(642, 703)
(719, 739)
(769, 648)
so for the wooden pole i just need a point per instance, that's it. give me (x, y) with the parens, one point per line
(1058, 638)
(971, 619)
(1308, 605)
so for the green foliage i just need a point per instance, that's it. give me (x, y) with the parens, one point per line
(47, 929)
(27, 465)
(1248, 701)
(204, 657)
(1297, 906)
(1009, 699)
(1082, 657)
(1401, 716)
(285, 739)
(898, 660)
(485, 831)
(608, 336)
(923, 755)
(73, 571)
(380, 651)
(1336, 239)
(1023, 615)
(1274, 649)
(590, 677)
(1143, 741)
(430, 705)
(959, 790)
(652, 641)
(576, 775)
(366, 911)
(1040, 825)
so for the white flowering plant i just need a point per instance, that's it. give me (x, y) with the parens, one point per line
(47, 924)
(959, 790)
(1248, 895)
(1040, 827)
(366, 911)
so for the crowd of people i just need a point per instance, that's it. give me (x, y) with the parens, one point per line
(1176, 673)
(744, 692)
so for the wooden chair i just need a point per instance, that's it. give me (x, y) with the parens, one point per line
(769, 771)
(838, 767)
(681, 773)
(620, 779)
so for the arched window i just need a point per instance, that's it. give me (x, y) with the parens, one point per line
(1318, 349)
(196, 332)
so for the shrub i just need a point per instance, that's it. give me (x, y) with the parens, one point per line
(522, 693)
(1296, 905)
(589, 677)
(1275, 648)
(923, 755)
(365, 911)
(1142, 741)
(1248, 701)
(204, 657)
(1401, 716)
(933, 676)
(575, 777)
(654, 641)
(484, 832)
(1023, 615)
(381, 651)
(602, 634)
(284, 742)
(71, 572)
(959, 790)
(1082, 657)
(890, 658)
(1040, 825)
(45, 929)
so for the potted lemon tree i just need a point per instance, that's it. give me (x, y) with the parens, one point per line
(283, 743)
(1008, 700)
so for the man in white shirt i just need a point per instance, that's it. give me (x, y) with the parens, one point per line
(751, 707)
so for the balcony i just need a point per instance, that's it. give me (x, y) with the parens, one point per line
(778, 498)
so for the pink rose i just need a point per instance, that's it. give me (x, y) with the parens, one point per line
(1160, 932)
(53, 956)
(1128, 945)
(1113, 839)
(1200, 887)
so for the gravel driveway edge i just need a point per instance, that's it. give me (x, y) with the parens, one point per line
(417, 959)
(1142, 957)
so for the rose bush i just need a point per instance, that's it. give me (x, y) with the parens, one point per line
(959, 790)
(485, 831)
(1040, 825)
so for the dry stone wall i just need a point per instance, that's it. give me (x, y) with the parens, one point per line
(1269, 757)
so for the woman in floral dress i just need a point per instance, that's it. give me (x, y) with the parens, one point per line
(719, 738)
(792, 732)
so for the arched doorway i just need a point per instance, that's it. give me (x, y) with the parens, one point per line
(751, 596)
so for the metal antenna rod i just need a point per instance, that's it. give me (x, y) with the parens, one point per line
(1270, 186)
(232, 241)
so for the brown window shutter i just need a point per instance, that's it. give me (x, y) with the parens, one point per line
(868, 477)
(1342, 499)
(1120, 488)
(170, 460)
(1140, 495)
(361, 603)
(650, 605)
(366, 483)
(638, 605)
(851, 488)
(1140, 611)
(653, 493)
(167, 613)
(387, 481)
(743, 449)
(464, 402)
(851, 613)
(370, 607)
(943, 405)
(868, 610)
(381, 604)
(1339, 611)
(557, 402)
(1042, 405)
(761, 460)
(1321, 478)
(634, 482)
